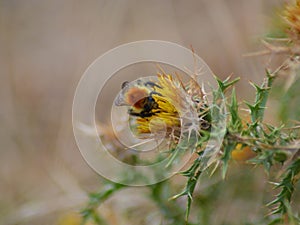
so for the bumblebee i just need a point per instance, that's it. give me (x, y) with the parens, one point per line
(152, 104)
(140, 97)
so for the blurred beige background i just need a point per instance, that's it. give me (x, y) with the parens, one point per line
(45, 47)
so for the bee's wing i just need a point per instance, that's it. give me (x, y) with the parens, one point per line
(120, 100)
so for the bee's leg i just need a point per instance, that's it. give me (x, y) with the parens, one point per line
(145, 114)
(152, 84)
(155, 93)
(158, 111)
(132, 113)
(142, 114)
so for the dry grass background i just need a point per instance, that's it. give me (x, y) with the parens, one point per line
(46, 47)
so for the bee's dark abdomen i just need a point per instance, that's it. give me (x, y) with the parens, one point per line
(144, 107)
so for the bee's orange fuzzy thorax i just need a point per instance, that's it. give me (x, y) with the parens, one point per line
(135, 95)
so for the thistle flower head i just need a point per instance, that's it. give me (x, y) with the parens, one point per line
(292, 19)
(180, 108)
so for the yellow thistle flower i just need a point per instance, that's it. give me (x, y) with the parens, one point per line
(242, 153)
